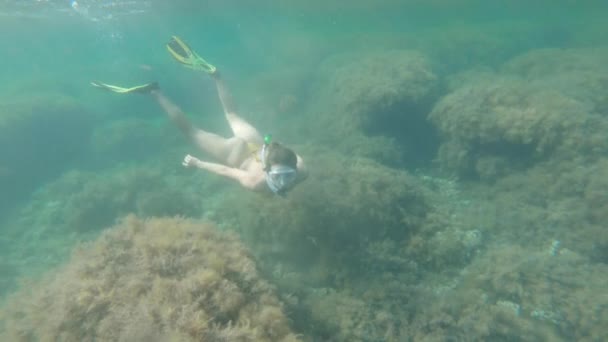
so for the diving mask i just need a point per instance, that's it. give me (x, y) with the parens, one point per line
(280, 177)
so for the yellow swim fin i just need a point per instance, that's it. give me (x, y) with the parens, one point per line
(188, 58)
(141, 89)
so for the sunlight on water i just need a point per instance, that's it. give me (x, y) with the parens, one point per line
(89, 9)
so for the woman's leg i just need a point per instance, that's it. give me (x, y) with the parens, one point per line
(230, 152)
(240, 128)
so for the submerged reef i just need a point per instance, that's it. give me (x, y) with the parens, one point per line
(161, 279)
(578, 73)
(81, 201)
(502, 124)
(80, 204)
(513, 293)
(554, 200)
(374, 104)
(363, 250)
(327, 223)
(543, 105)
(334, 237)
(535, 133)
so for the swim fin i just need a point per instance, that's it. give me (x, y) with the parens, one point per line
(182, 53)
(141, 89)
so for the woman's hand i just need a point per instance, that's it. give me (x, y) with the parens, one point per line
(190, 161)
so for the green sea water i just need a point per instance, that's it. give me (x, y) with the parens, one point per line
(74, 159)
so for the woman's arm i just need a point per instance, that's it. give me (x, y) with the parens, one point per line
(238, 175)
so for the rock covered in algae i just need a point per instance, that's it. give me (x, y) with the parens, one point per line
(578, 73)
(326, 224)
(493, 126)
(374, 103)
(518, 294)
(162, 279)
(545, 104)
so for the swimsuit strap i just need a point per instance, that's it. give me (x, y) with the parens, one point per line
(255, 151)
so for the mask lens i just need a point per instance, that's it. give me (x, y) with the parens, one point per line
(282, 177)
(275, 177)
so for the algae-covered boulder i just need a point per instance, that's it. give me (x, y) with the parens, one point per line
(161, 279)
(545, 104)
(374, 104)
(360, 83)
(512, 293)
(578, 73)
(39, 135)
(348, 317)
(328, 222)
(553, 200)
(493, 125)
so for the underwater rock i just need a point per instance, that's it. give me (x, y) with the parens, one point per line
(492, 126)
(544, 104)
(577, 73)
(360, 83)
(327, 223)
(514, 293)
(159, 279)
(88, 201)
(79, 204)
(347, 317)
(374, 104)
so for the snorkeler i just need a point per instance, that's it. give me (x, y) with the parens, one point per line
(256, 162)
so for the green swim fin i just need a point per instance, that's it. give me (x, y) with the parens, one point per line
(182, 53)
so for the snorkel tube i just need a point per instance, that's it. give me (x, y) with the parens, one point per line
(267, 141)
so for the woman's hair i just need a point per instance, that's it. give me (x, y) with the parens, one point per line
(279, 154)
